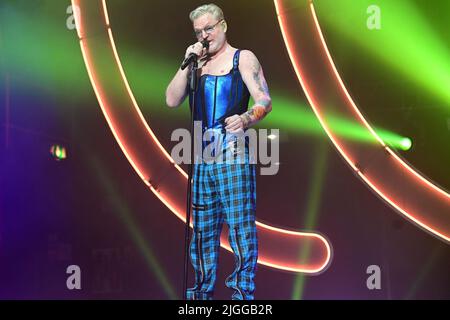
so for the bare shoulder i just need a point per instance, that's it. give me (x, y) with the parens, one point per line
(248, 59)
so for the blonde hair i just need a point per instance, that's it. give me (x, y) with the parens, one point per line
(211, 8)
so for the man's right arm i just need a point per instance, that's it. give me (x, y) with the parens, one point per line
(177, 91)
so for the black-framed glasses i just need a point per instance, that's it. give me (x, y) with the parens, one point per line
(208, 29)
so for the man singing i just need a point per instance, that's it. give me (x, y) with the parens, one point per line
(222, 192)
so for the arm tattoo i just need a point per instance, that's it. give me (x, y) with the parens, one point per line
(255, 114)
(263, 106)
(262, 84)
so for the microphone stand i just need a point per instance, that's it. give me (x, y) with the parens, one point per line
(192, 88)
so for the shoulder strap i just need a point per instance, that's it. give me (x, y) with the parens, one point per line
(236, 59)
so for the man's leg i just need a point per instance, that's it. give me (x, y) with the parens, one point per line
(205, 243)
(238, 196)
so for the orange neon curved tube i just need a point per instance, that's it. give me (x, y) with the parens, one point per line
(405, 189)
(278, 248)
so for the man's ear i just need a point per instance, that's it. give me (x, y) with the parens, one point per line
(224, 26)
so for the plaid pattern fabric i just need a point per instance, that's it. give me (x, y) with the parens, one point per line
(224, 192)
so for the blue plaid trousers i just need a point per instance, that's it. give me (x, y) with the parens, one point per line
(223, 192)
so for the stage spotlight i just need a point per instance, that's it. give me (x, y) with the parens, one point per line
(58, 152)
(406, 143)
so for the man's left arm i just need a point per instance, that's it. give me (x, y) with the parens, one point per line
(253, 77)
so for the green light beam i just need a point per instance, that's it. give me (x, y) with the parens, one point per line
(312, 212)
(405, 41)
(125, 216)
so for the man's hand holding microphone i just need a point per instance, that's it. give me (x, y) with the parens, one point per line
(195, 51)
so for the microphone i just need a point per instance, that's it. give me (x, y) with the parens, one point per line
(193, 56)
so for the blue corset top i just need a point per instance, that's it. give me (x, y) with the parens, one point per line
(220, 96)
